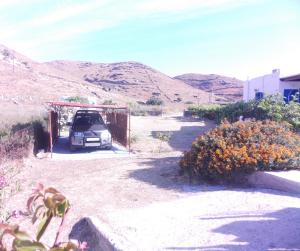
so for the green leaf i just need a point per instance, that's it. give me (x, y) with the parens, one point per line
(43, 226)
(65, 246)
(25, 245)
(22, 236)
(37, 213)
(62, 208)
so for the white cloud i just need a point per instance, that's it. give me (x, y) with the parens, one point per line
(65, 12)
(70, 19)
(52, 17)
(155, 6)
(66, 33)
(8, 3)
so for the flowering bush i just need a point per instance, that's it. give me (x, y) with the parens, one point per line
(242, 147)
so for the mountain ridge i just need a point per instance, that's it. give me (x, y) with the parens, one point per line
(226, 87)
(122, 82)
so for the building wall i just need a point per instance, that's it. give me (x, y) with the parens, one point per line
(268, 84)
(288, 85)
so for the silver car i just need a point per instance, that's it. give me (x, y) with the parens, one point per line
(89, 130)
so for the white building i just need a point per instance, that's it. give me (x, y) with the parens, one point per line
(259, 87)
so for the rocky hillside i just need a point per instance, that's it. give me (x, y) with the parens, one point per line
(223, 87)
(134, 80)
(24, 81)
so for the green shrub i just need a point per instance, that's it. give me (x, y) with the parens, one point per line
(207, 111)
(108, 102)
(144, 110)
(78, 99)
(271, 107)
(154, 101)
(242, 147)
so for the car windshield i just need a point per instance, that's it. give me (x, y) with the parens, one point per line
(88, 121)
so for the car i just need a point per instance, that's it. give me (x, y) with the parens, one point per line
(89, 130)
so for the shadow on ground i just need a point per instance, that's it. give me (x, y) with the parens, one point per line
(276, 231)
(61, 152)
(272, 231)
(61, 146)
(164, 173)
(181, 140)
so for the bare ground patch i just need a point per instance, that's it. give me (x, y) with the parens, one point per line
(97, 187)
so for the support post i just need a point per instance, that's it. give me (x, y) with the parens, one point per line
(58, 122)
(129, 130)
(50, 132)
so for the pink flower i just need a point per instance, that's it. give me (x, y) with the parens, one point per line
(82, 246)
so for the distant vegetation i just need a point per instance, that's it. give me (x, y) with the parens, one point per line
(108, 102)
(271, 107)
(154, 101)
(229, 150)
(144, 110)
(78, 99)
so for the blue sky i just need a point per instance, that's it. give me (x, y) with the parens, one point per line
(239, 38)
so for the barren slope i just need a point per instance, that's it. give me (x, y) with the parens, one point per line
(134, 80)
(221, 86)
(25, 83)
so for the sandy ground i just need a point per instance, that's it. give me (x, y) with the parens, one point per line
(143, 199)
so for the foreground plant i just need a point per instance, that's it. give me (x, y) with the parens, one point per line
(44, 205)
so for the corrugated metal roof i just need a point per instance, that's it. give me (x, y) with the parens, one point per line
(75, 104)
(291, 78)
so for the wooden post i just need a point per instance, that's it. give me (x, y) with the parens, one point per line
(58, 122)
(129, 130)
(50, 131)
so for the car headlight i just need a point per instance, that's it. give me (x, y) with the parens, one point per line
(105, 135)
(78, 134)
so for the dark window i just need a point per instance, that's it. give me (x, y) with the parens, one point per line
(291, 94)
(259, 95)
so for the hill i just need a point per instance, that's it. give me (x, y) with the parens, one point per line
(134, 80)
(223, 87)
(27, 84)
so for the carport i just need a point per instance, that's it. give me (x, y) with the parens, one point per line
(117, 119)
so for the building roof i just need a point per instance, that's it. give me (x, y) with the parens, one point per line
(291, 78)
(75, 104)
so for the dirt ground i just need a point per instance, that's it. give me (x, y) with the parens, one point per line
(143, 199)
(96, 187)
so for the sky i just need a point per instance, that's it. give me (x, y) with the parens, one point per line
(238, 38)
